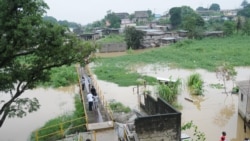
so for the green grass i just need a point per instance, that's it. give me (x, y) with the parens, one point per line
(65, 121)
(195, 84)
(119, 107)
(62, 76)
(190, 54)
(120, 76)
(113, 38)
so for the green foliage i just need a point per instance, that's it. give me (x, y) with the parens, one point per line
(63, 23)
(65, 121)
(114, 20)
(246, 27)
(30, 48)
(150, 15)
(63, 76)
(245, 11)
(215, 7)
(225, 72)
(119, 107)
(169, 91)
(133, 37)
(229, 27)
(197, 135)
(217, 86)
(120, 76)
(190, 54)
(112, 38)
(195, 84)
(175, 16)
(244, 3)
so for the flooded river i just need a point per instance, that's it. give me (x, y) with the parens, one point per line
(212, 113)
(54, 102)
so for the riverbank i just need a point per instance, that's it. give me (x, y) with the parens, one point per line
(54, 102)
(212, 113)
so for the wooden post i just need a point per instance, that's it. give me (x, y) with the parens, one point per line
(61, 129)
(36, 135)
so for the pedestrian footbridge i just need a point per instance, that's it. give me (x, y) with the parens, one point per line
(100, 117)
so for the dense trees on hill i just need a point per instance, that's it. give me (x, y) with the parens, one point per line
(61, 22)
(186, 18)
(29, 48)
(215, 7)
(245, 11)
(244, 3)
(112, 20)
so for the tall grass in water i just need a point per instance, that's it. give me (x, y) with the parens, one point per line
(195, 84)
(191, 54)
(169, 91)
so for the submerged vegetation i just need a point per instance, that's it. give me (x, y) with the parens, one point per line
(169, 91)
(195, 84)
(190, 54)
(119, 107)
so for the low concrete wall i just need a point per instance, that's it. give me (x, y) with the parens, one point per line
(163, 124)
(112, 47)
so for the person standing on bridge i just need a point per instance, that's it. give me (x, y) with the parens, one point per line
(90, 100)
(83, 82)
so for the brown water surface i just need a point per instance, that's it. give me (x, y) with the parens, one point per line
(212, 113)
(53, 103)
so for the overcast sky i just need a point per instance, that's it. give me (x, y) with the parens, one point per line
(88, 11)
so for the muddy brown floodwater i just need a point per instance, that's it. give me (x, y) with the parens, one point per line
(54, 102)
(212, 113)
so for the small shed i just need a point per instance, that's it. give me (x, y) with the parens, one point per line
(244, 100)
(182, 33)
(90, 36)
(213, 34)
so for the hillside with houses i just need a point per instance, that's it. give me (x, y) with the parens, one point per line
(163, 29)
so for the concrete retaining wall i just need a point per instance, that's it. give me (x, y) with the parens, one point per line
(112, 47)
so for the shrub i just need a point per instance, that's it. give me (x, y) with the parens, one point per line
(195, 84)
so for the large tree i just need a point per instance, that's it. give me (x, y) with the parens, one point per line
(215, 7)
(244, 3)
(175, 16)
(113, 20)
(29, 48)
(133, 37)
(245, 11)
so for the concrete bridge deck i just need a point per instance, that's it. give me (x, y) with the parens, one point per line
(98, 118)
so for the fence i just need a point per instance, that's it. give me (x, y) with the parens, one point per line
(58, 131)
(101, 96)
(81, 91)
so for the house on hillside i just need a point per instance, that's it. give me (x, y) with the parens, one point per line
(244, 100)
(141, 16)
(89, 36)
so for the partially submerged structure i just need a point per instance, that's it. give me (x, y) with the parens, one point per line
(157, 121)
(244, 100)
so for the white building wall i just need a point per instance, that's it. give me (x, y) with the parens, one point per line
(242, 104)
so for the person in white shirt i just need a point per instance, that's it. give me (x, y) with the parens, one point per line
(90, 101)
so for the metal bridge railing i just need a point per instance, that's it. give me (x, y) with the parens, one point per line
(100, 94)
(58, 130)
(79, 72)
